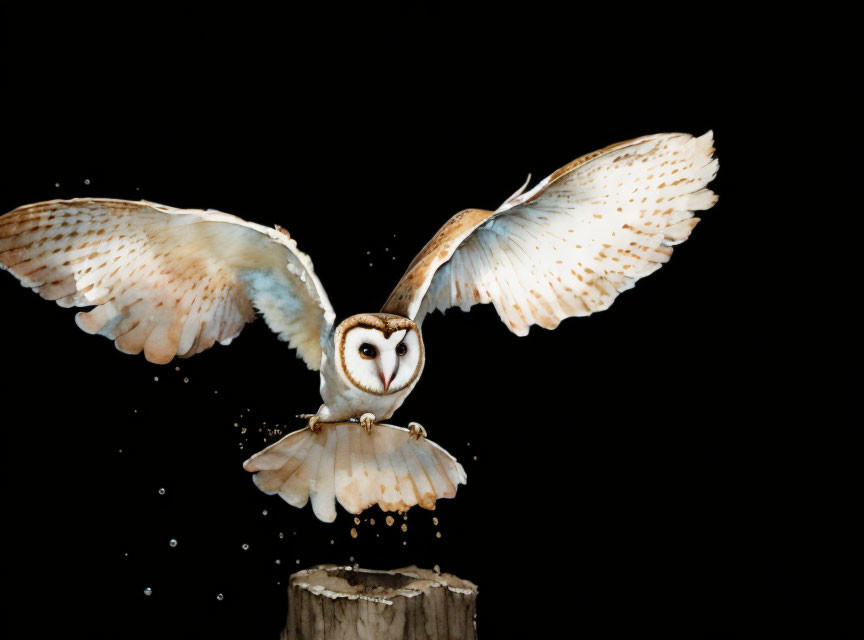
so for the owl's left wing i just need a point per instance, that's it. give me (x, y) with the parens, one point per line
(569, 246)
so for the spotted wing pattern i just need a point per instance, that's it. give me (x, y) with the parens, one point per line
(168, 282)
(569, 246)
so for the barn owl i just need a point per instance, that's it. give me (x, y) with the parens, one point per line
(172, 282)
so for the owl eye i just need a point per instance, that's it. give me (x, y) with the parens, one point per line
(401, 349)
(368, 351)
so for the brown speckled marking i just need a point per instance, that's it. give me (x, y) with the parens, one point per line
(174, 262)
(529, 236)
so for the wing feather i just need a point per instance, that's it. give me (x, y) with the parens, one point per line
(571, 244)
(168, 282)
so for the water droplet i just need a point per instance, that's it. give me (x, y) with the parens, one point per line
(386, 248)
(372, 521)
(404, 527)
(435, 521)
(298, 560)
(220, 597)
(148, 591)
(161, 492)
(264, 513)
(404, 543)
(332, 542)
(437, 534)
(245, 547)
(172, 542)
(370, 264)
(475, 457)
(155, 378)
(186, 380)
(177, 369)
(281, 535)
(57, 184)
(436, 569)
(389, 520)
(350, 558)
(356, 520)
(278, 561)
(354, 533)
(368, 253)
(87, 181)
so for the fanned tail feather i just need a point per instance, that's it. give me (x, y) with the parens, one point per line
(341, 462)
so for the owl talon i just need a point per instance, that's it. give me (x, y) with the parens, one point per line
(313, 422)
(367, 421)
(416, 430)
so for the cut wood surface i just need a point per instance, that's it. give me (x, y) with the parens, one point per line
(329, 602)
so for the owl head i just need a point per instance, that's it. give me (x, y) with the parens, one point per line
(379, 353)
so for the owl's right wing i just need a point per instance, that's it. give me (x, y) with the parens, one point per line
(569, 246)
(167, 281)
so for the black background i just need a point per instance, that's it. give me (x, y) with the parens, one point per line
(625, 471)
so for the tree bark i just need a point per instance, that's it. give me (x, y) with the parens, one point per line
(329, 602)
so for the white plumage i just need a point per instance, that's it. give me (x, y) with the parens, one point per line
(393, 470)
(166, 281)
(172, 282)
(581, 236)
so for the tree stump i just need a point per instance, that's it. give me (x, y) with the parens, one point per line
(329, 602)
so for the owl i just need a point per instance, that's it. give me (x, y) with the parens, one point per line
(170, 283)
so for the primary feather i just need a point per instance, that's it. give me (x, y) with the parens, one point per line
(569, 246)
(169, 282)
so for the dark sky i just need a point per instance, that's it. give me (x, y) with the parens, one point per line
(616, 481)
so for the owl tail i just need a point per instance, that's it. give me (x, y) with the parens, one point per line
(342, 462)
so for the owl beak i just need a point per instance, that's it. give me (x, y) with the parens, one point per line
(385, 380)
(388, 364)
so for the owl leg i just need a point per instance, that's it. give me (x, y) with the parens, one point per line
(367, 421)
(416, 430)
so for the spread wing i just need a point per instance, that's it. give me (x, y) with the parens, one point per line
(569, 246)
(162, 280)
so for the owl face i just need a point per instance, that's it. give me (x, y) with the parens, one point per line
(379, 353)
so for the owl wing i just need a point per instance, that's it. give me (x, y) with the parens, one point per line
(163, 280)
(569, 246)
